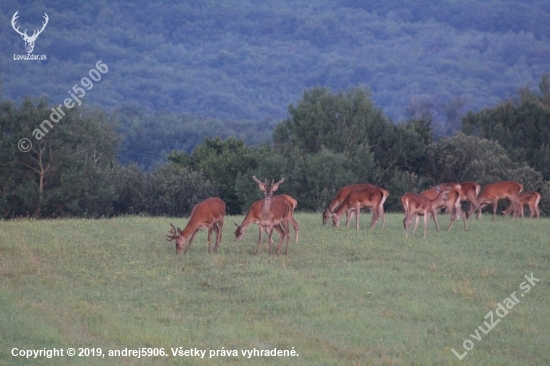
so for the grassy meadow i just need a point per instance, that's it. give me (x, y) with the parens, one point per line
(341, 297)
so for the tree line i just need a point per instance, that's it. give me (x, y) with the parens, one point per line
(328, 140)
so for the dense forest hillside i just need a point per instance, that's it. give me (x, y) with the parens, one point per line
(248, 60)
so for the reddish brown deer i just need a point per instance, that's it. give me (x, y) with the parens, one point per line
(452, 204)
(340, 197)
(254, 213)
(469, 192)
(274, 215)
(372, 197)
(492, 193)
(206, 214)
(531, 199)
(418, 205)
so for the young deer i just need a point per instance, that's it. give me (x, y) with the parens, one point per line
(254, 213)
(206, 214)
(531, 199)
(416, 205)
(452, 204)
(340, 197)
(274, 215)
(373, 197)
(492, 193)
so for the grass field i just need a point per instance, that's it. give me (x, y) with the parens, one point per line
(341, 297)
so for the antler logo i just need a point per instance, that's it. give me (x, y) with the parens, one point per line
(29, 41)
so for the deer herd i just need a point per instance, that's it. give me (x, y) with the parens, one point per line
(276, 212)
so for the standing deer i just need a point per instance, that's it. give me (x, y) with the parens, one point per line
(373, 197)
(469, 192)
(255, 211)
(452, 204)
(418, 205)
(29, 41)
(532, 199)
(274, 215)
(206, 214)
(492, 193)
(340, 197)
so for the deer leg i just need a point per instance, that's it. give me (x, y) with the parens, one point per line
(210, 229)
(270, 233)
(260, 239)
(296, 227)
(349, 216)
(357, 210)
(463, 219)
(425, 225)
(434, 214)
(219, 227)
(415, 224)
(190, 241)
(375, 216)
(287, 232)
(383, 214)
(495, 209)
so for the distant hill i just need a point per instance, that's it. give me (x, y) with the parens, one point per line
(248, 60)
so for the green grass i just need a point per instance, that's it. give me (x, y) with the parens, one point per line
(342, 297)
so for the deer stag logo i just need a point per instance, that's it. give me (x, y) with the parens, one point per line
(29, 41)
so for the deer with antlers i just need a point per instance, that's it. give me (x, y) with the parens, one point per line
(531, 199)
(29, 41)
(492, 193)
(274, 215)
(207, 214)
(416, 205)
(372, 197)
(255, 211)
(340, 197)
(452, 203)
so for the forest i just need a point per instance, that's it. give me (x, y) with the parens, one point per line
(196, 97)
(182, 70)
(328, 140)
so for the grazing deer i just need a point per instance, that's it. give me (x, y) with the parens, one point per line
(492, 193)
(254, 213)
(469, 192)
(340, 197)
(274, 215)
(452, 204)
(419, 205)
(206, 214)
(373, 197)
(531, 199)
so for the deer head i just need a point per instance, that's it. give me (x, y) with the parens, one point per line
(29, 41)
(268, 190)
(175, 234)
(239, 231)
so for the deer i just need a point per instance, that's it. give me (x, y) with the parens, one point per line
(373, 197)
(492, 193)
(340, 197)
(469, 192)
(418, 205)
(452, 204)
(206, 214)
(29, 41)
(274, 214)
(254, 213)
(532, 199)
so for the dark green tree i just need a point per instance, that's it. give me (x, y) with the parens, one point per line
(220, 161)
(522, 127)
